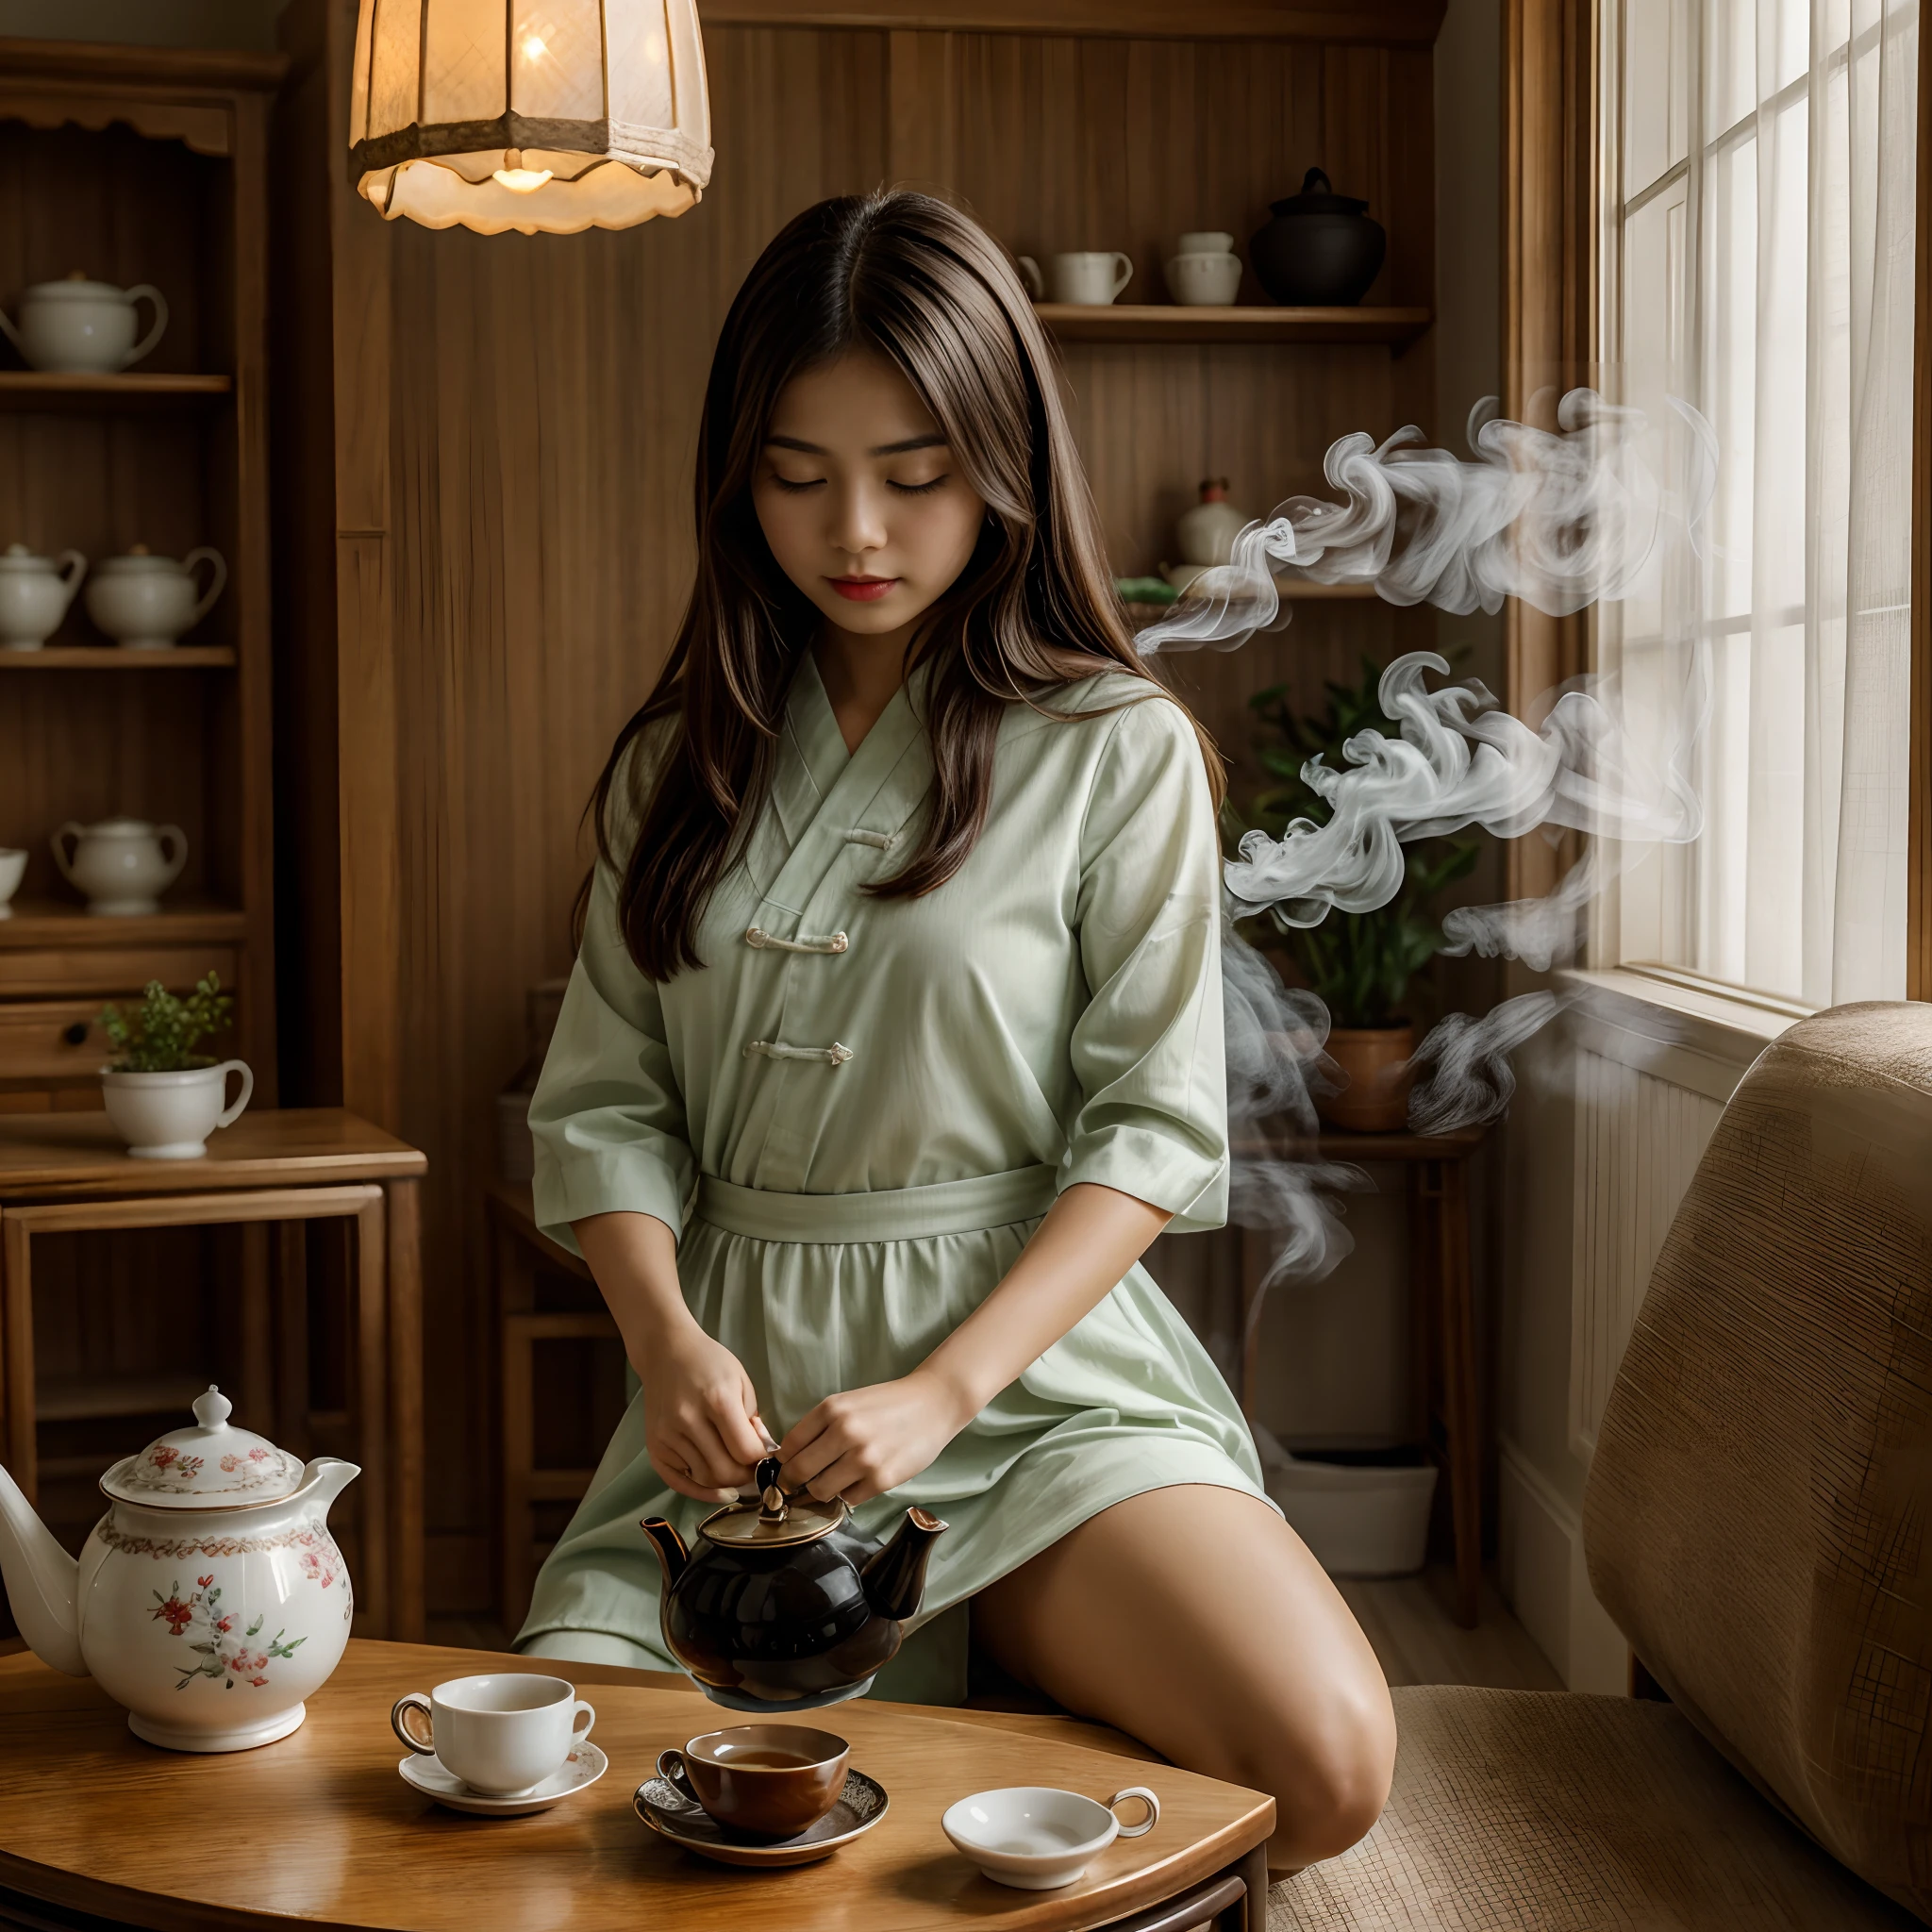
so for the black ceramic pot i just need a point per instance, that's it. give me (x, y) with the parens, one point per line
(1321, 251)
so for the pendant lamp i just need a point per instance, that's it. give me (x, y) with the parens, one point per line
(546, 116)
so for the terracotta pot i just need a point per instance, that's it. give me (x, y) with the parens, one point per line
(1375, 1058)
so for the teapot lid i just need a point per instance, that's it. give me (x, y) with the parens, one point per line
(76, 286)
(1318, 201)
(774, 1520)
(137, 556)
(18, 557)
(210, 1466)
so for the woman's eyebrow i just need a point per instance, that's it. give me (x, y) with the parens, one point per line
(933, 440)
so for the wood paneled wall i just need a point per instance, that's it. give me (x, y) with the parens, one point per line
(485, 470)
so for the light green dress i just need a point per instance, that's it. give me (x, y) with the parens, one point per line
(857, 1112)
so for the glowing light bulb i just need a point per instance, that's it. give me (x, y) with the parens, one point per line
(522, 180)
(534, 48)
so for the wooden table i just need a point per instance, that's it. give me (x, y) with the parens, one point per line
(275, 1168)
(1441, 1315)
(318, 1830)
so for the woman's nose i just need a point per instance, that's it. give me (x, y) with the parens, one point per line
(858, 521)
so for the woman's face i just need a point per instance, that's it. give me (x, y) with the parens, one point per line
(859, 497)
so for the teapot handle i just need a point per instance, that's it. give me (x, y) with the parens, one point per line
(231, 1114)
(12, 334)
(77, 832)
(73, 569)
(153, 335)
(162, 834)
(217, 581)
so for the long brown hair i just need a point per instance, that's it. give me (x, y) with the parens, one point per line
(914, 279)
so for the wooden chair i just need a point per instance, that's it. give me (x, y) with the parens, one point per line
(1758, 1522)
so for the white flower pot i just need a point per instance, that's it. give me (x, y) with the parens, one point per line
(170, 1116)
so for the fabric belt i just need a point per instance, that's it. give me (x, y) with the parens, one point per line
(886, 1214)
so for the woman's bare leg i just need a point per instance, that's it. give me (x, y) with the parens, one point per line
(1196, 1620)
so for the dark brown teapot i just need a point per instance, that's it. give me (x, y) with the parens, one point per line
(1321, 251)
(782, 1605)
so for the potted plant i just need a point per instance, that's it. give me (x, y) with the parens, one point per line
(164, 1098)
(1360, 963)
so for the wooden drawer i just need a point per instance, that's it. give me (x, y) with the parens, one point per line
(52, 1040)
(69, 972)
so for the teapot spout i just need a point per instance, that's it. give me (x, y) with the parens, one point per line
(325, 1479)
(42, 1582)
(672, 1554)
(894, 1577)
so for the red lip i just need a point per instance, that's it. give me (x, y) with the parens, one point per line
(862, 590)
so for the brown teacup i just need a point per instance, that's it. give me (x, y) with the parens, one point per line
(766, 1781)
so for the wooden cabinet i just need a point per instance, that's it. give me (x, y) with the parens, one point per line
(138, 164)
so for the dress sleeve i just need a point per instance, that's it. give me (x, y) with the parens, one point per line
(608, 1118)
(1148, 1050)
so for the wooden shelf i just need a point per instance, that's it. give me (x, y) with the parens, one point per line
(86, 1398)
(1073, 322)
(1372, 23)
(113, 657)
(45, 923)
(38, 388)
(1301, 590)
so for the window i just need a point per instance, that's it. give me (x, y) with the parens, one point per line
(1756, 186)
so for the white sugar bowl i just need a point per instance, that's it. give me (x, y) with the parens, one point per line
(34, 592)
(79, 327)
(144, 603)
(1206, 273)
(121, 865)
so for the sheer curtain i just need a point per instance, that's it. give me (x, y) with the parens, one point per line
(1759, 172)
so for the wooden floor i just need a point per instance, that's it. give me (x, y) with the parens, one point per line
(1405, 1617)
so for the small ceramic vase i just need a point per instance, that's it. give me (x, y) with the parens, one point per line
(121, 865)
(1207, 273)
(144, 603)
(1205, 534)
(12, 870)
(170, 1116)
(34, 592)
(79, 327)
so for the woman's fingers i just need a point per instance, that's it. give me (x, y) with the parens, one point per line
(672, 1459)
(731, 1415)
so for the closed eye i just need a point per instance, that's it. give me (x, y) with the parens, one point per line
(916, 489)
(786, 483)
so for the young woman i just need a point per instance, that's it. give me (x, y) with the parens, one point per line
(895, 1037)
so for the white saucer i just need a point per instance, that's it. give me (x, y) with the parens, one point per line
(585, 1765)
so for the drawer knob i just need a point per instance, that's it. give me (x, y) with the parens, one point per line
(77, 1034)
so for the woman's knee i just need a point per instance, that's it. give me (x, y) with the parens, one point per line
(1329, 1780)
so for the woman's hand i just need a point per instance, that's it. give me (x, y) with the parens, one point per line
(701, 1413)
(863, 1441)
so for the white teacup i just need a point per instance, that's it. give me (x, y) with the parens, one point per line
(1038, 1838)
(502, 1734)
(1090, 279)
(12, 870)
(170, 1116)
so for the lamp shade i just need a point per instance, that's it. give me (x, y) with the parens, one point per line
(546, 116)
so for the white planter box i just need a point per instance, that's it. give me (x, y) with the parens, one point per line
(1358, 1521)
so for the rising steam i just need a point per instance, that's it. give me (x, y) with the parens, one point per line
(1560, 520)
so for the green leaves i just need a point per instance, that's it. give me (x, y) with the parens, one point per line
(1359, 963)
(161, 1036)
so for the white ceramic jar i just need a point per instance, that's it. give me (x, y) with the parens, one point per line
(170, 1116)
(34, 592)
(121, 865)
(79, 327)
(144, 602)
(210, 1600)
(1206, 273)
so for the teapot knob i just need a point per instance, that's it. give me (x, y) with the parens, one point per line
(770, 1496)
(212, 1409)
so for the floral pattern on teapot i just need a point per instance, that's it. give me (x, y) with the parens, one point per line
(224, 1652)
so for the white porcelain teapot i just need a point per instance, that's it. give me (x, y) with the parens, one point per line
(34, 592)
(123, 865)
(146, 602)
(210, 1600)
(79, 327)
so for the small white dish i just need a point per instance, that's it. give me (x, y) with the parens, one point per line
(1037, 1838)
(585, 1765)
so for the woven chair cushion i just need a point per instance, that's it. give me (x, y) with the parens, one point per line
(1759, 1515)
(1548, 1811)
